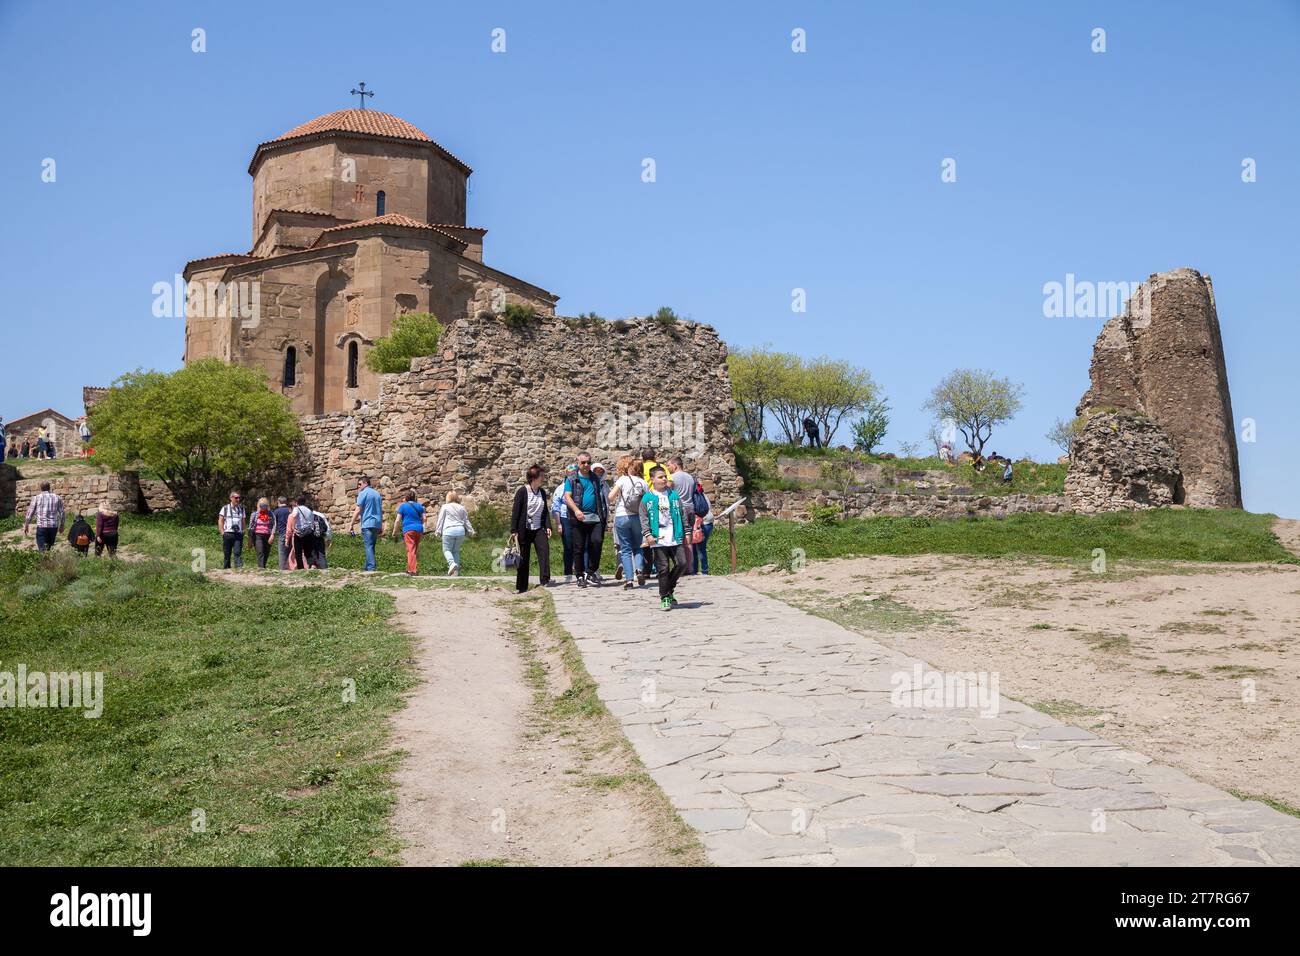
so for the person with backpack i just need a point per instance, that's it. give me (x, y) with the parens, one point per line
(106, 523)
(530, 527)
(411, 514)
(261, 531)
(626, 497)
(683, 483)
(80, 535)
(302, 527)
(231, 520)
(324, 538)
(812, 431)
(370, 509)
(703, 528)
(665, 520)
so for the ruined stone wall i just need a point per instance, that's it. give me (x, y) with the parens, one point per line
(79, 493)
(497, 398)
(797, 505)
(1163, 357)
(1122, 461)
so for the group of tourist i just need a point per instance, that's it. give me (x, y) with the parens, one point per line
(38, 443)
(46, 514)
(660, 515)
(662, 523)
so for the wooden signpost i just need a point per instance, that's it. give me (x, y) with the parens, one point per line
(730, 515)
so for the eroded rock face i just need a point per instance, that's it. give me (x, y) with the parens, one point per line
(1163, 357)
(1122, 461)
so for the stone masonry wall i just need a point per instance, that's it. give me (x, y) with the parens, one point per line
(1163, 357)
(79, 493)
(498, 398)
(796, 505)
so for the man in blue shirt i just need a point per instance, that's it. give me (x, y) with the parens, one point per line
(370, 509)
(584, 493)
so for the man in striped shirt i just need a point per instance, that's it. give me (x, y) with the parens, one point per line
(47, 509)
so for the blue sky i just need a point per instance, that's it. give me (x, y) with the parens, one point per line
(775, 171)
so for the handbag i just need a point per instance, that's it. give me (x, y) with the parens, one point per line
(510, 556)
(697, 534)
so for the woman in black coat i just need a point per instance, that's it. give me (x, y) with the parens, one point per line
(530, 527)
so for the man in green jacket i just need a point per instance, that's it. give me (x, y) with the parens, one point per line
(667, 519)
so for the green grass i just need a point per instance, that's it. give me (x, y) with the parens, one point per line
(869, 614)
(1277, 805)
(1183, 534)
(218, 698)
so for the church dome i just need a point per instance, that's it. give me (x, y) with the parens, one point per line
(354, 122)
(365, 122)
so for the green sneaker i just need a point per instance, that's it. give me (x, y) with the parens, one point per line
(672, 599)
(666, 604)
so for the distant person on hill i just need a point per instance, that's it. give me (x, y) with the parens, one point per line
(411, 515)
(231, 520)
(1007, 473)
(370, 509)
(83, 432)
(812, 431)
(665, 519)
(281, 513)
(530, 526)
(626, 497)
(453, 525)
(261, 531)
(2, 439)
(302, 529)
(80, 535)
(560, 519)
(26, 448)
(106, 521)
(47, 510)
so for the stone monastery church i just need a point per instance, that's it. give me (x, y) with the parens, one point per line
(358, 217)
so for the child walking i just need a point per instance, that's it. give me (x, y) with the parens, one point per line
(666, 519)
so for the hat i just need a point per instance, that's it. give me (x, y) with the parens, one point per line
(600, 466)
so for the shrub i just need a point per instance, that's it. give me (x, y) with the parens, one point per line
(518, 316)
(412, 335)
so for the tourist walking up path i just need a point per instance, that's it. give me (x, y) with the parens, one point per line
(46, 509)
(784, 739)
(370, 511)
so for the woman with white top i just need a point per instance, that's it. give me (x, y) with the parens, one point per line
(453, 525)
(530, 527)
(626, 497)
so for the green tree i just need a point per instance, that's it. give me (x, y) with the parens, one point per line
(755, 383)
(203, 430)
(413, 335)
(869, 430)
(833, 389)
(1064, 433)
(975, 401)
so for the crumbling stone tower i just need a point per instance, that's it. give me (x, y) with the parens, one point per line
(1163, 358)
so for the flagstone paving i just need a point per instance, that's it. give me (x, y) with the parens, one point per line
(773, 733)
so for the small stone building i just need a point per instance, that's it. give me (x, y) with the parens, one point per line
(61, 429)
(358, 217)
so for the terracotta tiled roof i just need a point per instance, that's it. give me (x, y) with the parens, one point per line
(222, 255)
(391, 219)
(371, 122)
(361, 123)
(305, 212)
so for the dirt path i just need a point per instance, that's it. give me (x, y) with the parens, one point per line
(1194, 664)
(1288, 532)
(479, 782)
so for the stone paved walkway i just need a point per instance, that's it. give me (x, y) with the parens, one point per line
(773, 733)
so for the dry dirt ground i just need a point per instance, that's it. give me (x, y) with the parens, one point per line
(1196, 665)
(489, 777)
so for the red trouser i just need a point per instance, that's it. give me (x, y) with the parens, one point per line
(412, 539)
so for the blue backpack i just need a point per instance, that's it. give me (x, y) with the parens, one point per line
(699, 503)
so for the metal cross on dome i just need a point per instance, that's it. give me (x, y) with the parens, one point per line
(363, 93)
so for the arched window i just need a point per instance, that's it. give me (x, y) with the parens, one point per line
(352, 365)
(290, 367)
(379, 203)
